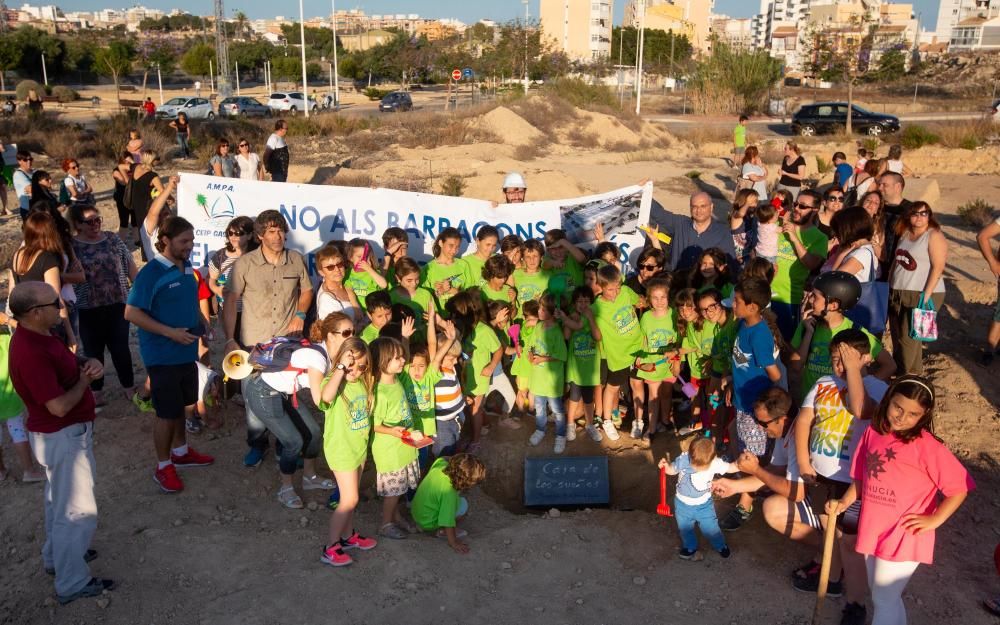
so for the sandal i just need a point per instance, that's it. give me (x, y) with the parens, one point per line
(393, 531)
(459, 533)
(992, 606)
(289, 498)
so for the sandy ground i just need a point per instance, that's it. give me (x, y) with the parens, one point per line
(225, 551)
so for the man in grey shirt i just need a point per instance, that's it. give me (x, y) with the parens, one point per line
(693, 235)
(277, 292)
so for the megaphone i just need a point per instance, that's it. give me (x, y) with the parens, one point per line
(236, 365)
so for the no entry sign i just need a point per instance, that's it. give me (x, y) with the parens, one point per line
(456, 74)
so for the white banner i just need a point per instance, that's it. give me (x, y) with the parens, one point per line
(320, 213)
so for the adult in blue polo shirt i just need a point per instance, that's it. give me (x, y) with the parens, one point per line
(163, 303)
(695, 234)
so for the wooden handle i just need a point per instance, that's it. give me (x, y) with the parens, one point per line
(824, 570)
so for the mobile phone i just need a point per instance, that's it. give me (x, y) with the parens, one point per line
(364, 256)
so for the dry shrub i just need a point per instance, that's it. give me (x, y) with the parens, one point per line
(976, 213)
(965, 135)
(699, 134)
(351, 178)
(413, 185)
(621, 146)
(580, 138)
(546, 113)
(366, 142)
(528, 152)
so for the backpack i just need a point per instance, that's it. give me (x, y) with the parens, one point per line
(64, 197)
(275, 356)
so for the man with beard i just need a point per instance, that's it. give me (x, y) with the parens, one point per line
(163, 303)
(514, 188)
(802, 248)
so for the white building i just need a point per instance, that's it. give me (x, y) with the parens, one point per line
(47, 13)
(953, 12)
(579, 28)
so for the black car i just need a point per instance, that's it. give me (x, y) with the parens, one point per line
(396, 101)
(831, 117)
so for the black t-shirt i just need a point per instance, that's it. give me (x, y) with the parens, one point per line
(898, 209)
(791, 169)
(36, 272)
(633, 283)
(141, 188)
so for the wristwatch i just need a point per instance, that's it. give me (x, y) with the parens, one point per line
(341, 366)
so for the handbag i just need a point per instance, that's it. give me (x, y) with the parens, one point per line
(872, 310)
(923, 321)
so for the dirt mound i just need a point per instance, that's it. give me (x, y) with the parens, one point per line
(609, 130)
(507, 124)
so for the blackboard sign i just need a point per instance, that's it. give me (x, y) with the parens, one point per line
(566, 481)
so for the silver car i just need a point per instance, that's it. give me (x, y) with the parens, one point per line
(242, 106)
(194, 108)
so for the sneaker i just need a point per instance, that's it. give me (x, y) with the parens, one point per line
(317, 483)
(693, 556)
(289, 498)
(725, 553)
(536, 437)
(985, 360)
(571, 432)
(254, 457)
(637, 429)
(357, 541)
(94, 588)
(193, 425)
(334, 556)
(811, 584)
(88, 556)
(560, 445)
(610, 429)
(191, 459)
(736, 518)
(459, 533)
(616, 418)
(168, 479)
(853, 614)
(595, 434)
(144, 404)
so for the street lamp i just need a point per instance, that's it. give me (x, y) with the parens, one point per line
(336, 76)
(525, 46)
(638, 73)
(302, 42)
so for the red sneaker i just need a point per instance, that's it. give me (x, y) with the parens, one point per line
(191, 459)
(168, 479)
(357, 541)
(334, 556)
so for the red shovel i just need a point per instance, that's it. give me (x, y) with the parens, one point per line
(663, 509)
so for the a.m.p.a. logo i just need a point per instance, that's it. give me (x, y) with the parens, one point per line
(216, 201)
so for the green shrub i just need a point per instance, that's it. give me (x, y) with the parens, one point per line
(694, 174)
(581, 94)
(65, 94)
(376, 94)
(976, 213)
(453, 185)
(25, 86)
(917, 136)
(871, 143)
(969, 142)
(823, 166)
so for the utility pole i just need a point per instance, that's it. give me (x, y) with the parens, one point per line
(525, 47)
(222, 51)
(45, 73)
(302, 47)
(159, 82)
(638, 76)
(336, 71)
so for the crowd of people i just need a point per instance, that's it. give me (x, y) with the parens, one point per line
(756, 345)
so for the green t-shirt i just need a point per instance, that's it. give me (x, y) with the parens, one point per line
(480, 347)
(790, 274)
(583, 363)
(722, 348)
(346, 428)
(473, 270)
(530, 286)
(420, 302)
(370, 333)
(420, 394)
(700, 360)
(548, 379)
(436, 503)
(564, 279)
(818, 361)
(391, 409)
(10, 404)
(521, 366)
(740, 136)
(621, 336)
(660, 333)
(434, 272)
(362, 284)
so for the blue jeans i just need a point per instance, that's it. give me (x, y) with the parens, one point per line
(556, 406)
(787, 316)
(182, 141)
(296, 428)
(256, 430)
(702, 514)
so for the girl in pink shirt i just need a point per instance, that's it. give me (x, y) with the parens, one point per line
(898, 469)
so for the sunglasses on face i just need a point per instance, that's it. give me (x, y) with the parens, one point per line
(804, 207)
(26, 160)
(764, 424)
(244, 145)
(348, 333)
(333, 266)
(835, 198)
(649, 267)
(236, 233)
(93, 221)
(57, 303)
(920, 214)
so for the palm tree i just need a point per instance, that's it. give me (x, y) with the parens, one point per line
(241, 24)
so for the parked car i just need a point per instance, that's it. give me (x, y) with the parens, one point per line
(831, 117)
(243, 106)
(396, 101)
(292, 102)
(194, 108)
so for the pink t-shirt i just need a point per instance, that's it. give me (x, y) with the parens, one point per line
(897, 479)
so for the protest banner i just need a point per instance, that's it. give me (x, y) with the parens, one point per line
(317, 214)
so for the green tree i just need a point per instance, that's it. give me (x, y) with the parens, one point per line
(891, 65)
(242, 25)
(196, 61)
(10, 58)
(114, 60)
(733, 81)
(656, 48)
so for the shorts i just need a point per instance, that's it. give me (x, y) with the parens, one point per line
(847, 522)
(581, 393)
(173, 388)
(618, 378)
(750, 436)
(397, 483)
(15, 425)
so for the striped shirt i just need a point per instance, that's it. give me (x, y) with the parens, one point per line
(448, 400)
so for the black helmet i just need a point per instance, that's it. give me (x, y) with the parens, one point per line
(840, 286)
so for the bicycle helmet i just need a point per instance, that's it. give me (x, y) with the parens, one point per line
(840, 286)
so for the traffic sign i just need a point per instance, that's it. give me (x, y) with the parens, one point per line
(467, 72)
(456, 74)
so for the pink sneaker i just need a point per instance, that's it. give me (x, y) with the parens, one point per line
(357, 541)
(334, 556)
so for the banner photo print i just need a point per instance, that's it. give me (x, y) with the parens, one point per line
(317, 214)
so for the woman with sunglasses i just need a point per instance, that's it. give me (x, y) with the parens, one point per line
(222, 162)
(917, 275)
(80, 191)
(248, 164)
(42, 196)
(108, 269)
(332, 296)
(648, 266)
(240, 239)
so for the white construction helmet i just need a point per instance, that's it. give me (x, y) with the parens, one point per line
(514, 180)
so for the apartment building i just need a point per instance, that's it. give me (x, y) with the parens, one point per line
(692, 18)
(579, 28)
(951, 14)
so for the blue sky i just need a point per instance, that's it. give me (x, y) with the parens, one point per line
(469, 12)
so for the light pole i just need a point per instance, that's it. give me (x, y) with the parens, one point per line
(159, 82)
(336, 73)
(45, 73)
(638, 73)
(302, 46)
(525, 46)
(237, 78)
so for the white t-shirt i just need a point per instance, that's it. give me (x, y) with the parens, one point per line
(304, 358)
(22, 182)
(79, 183)
(248, 166)
(836, 432)
(894, 165)
(866, 256)
(206, 377)
(693, 486)
(275, 142)
(147, 238)
(327, 302)
(784, 455)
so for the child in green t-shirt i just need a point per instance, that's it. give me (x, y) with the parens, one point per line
(445, 275)
(409, 292)
(379, 308)
(531, 279)
(484, 353)
(362, 277)
(521, 367)
(659, 363)
(496, 272)
(346, 400)
(583, 363)
(424, 371)
(564, 262)
(722, 353)
(697, 335)
(486, 244)
(396, 243)
(438, 505)
(397, 469)
(12, 412)
(499, 313)
(547, 380)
